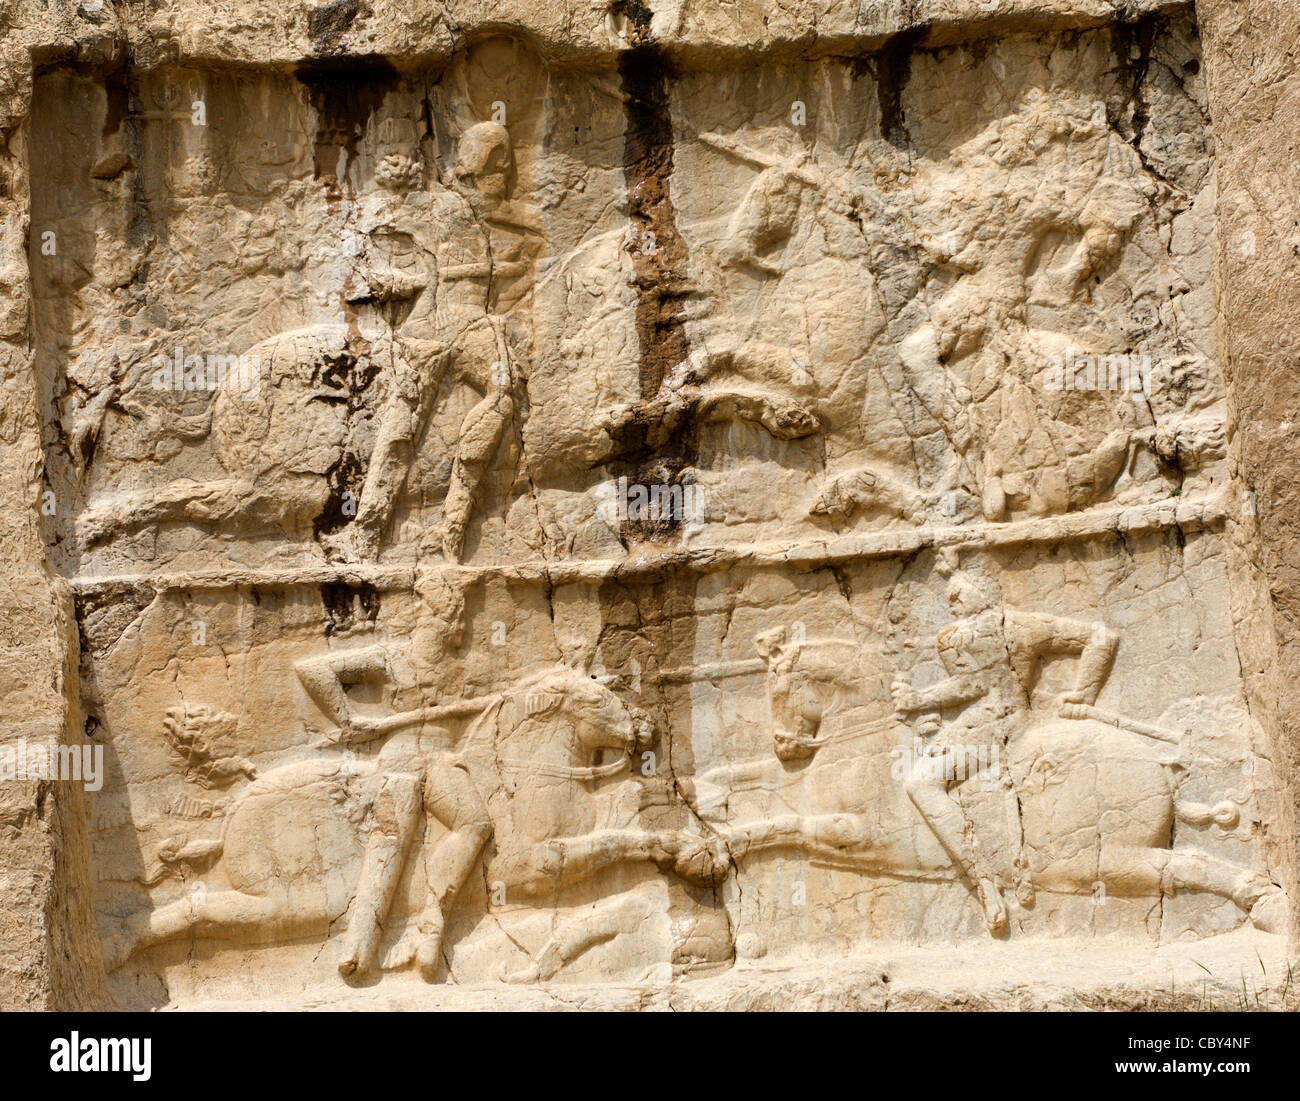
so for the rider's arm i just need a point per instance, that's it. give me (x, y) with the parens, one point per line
(326, 678)
(1031, 635)
(947, 693)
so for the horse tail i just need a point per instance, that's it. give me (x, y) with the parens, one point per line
(1225, 814)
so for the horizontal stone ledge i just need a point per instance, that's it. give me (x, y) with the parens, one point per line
(1188, 516)
(262, 33)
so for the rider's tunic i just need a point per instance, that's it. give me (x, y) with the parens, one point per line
(977, 648)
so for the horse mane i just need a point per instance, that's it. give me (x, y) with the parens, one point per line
(537, 702)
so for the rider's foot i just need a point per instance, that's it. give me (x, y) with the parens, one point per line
(995, 911)
(357, 954)
(350, 964)
(453, 540)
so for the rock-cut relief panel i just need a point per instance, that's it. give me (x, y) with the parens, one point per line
(541, 525)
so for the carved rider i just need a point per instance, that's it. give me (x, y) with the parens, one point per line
(484, 262)
(991, 654)
(417, 767)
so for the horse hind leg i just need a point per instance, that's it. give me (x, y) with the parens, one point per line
(1137, 870)
(578, 935)
(224, 914)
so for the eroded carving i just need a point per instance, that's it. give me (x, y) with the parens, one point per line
(943, 651)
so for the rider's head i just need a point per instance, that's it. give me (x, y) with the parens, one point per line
(484, 161)
(971, 592)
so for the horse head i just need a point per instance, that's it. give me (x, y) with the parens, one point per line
(805, 681)
(603, 732)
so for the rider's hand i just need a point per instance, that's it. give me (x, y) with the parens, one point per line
(905, 701)
(366, 724)
(701, 862)
(928, 724)
(1070, 705)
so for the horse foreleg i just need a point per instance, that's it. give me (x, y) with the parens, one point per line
(819, 834)
(178, 501)
(577, 935)
(548, 865)
(786, 420)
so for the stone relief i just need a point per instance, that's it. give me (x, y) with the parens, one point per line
(529, 526)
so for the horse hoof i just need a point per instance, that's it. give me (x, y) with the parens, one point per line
(527, 976)
(1270, 912)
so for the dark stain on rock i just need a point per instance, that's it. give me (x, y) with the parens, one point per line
(348, 606)
(346, 378)
(345, 94)
(102, 618)
(117, 93)
(1132, 44)
(656, 440)
(657, 249)
(893, 69)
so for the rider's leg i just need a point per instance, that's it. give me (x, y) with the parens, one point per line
(451, 798)
(396, 811)
(480, 435)
(928, 790)
(400, 424)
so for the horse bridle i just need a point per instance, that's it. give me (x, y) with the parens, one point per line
(844, 734)
(571, 772)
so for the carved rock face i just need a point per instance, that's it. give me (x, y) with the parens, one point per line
(677, 514)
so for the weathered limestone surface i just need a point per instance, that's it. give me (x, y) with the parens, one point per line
(648, 505)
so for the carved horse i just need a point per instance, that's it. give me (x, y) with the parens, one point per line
(277, 443)
(294, 839)
(1096, 802)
